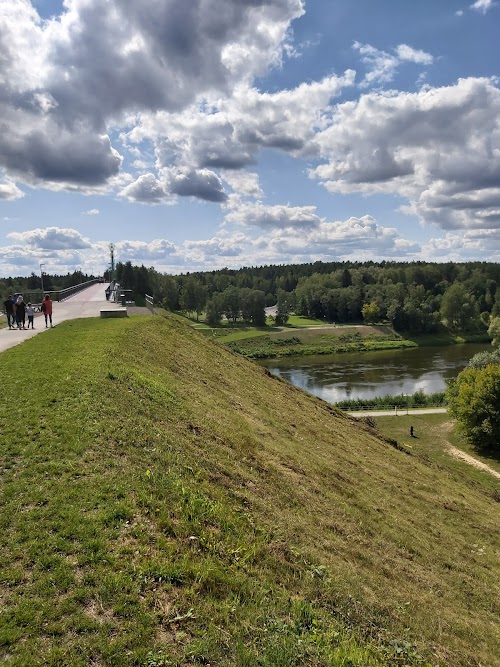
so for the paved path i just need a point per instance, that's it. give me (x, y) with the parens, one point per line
(399, 411)
(87, 303)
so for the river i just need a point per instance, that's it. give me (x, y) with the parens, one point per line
(371, 374)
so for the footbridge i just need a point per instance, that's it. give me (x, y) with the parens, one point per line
(87, 301)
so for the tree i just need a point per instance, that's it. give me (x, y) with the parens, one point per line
(258, 308)
(169, 292)
(483, 359)
(459, 309)
(231, 301)
(283, 307)
(142, 282)
(370, 312)
(215, 310)
(474, 401)
(127, 277)
(494, 331)
(193, 296)
(245, 295)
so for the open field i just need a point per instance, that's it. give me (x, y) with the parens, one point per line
(166, 502)
(435, 434)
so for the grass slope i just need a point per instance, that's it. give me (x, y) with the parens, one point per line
(166, 502)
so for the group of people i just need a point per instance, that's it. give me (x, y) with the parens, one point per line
(17, 311)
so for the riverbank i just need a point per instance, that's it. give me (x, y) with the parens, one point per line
(324, 340)
(400, 401)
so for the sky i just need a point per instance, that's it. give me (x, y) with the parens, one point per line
(202, 134)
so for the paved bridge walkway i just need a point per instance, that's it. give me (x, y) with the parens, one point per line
(87, 303)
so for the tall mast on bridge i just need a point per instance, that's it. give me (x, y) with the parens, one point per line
(112, 266)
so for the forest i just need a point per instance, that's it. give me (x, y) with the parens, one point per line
(417, 297)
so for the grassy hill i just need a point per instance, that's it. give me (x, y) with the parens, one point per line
(167, 502)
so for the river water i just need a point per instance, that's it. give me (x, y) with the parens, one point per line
(370, 374)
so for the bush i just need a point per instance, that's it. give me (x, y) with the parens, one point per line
(474, 400)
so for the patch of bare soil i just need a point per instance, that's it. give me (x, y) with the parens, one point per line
(458, 454)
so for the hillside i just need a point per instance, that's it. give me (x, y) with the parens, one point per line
(167, 502)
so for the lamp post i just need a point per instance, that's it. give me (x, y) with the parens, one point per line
(41, 276)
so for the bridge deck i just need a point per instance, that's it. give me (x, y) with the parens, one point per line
(87, 303)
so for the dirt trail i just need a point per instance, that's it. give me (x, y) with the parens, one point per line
(459, 454)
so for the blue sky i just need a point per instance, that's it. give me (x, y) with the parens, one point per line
(218, 133)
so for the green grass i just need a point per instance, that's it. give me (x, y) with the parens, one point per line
(448, 338)
(301, 321)
(434, 434)
(166, 502)
(306, 342)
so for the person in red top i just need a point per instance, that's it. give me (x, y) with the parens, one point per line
(47, 309)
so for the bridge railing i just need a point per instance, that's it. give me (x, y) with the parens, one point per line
(35, 297)
(149, 302)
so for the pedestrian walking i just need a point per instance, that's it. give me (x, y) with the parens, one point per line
(8, 306)
(20, 313)
(47, 310)
(30, 312)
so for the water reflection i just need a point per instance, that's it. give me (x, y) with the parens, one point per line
(370, 374)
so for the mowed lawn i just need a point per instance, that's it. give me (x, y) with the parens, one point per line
(166, 502)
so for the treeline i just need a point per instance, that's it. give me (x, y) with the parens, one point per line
(33, 283)
(400, 401)
(414, 297)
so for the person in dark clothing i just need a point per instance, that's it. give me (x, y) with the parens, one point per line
(9, 311)
(20, 313)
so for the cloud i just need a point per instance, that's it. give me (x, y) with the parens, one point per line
(228, 134)
(382, 66)
(140, 251)
(338, 239)
(405, 52)
(215, 247)
(199, 183)
(482, 5)
(273, 217)
(52, 238)
(147, 189)
(438, 148)
(47, 154)
(243, 183)
(10, 191)
(92, 211)
(68, 81)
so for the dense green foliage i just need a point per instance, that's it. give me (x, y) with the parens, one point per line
(414, 297)
(483, 359)
(400, 401)
(494, 331)
(474, 400)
